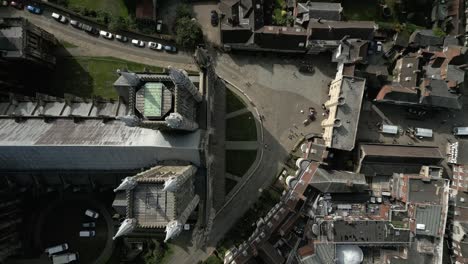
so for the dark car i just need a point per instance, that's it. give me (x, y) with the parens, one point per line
(121, 38)
(34, 9)
(214, 18)
(170, 49)
(89, 29)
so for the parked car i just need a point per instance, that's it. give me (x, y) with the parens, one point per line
(89, 224)
(138, 43)
(34, 9)
(214, 18)
(106, 34)
(171, 49)
(75, 24)
(121, 38)
(56, 249)
(89, 29)
(64, 258)
(155, 46)
(59, 18)
(159, 25)
(17, 5)
(379, 47)
(86, 233)
(91, 213)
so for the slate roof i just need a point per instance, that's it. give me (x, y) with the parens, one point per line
(425, 38)
(336, 30)
(90, 144)
(321, 10)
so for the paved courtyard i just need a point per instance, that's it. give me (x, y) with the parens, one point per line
(280, 91)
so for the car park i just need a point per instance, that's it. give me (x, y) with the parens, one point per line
(171, 49)
(106, 34)
(87, 233)
(214, 18)
(91, 213)
(121, 38)
(17, 5)
(56, 249)
(34, 9)
(59, 18)
(138, 43)
(75, 24)
(155, 46)
(89, 224)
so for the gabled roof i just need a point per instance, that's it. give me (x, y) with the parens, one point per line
(425, 38)
(337, 30)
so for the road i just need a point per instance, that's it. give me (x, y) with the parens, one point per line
(88, 45)
(278, 91)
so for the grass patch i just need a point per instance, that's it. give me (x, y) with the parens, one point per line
(90, 76)
(233, 102)
(238, 162)
(115, 7)
(241, 128)
(360, 10)
(67, 44)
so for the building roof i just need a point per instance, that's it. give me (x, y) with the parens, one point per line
(338, 181)
(371, 151)
(324, 253)
(154, 100)
(321, 10)
(337, 30)
(420, 191)
(437, 93)
(425, 38)
(287, 38)
(429, 216)
(145, 9)
(368, 232)
(90, 144)
(340, 128)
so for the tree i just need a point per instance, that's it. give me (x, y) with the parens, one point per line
(183, 10)
(118, 23)
(188, 33)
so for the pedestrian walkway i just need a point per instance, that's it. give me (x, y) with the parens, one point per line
(237, 113)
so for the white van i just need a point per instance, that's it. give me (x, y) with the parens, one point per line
(56, 249)
(460, 131)
(91, 213)
(64, 258)
(87, 233)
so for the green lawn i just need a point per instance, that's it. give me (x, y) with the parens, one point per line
(238, 162)
(360, 10)
(241, 128)
(88, 76)
(233, 102)
(115, 7)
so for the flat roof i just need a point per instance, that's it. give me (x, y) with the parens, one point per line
(425, 191)
(347, 114)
